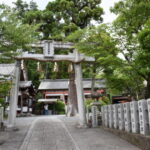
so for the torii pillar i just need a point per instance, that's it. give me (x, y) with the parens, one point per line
(80, 93)
(14, 95)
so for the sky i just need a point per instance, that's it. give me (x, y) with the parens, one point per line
(106, 4)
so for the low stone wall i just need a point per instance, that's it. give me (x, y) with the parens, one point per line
(131, 116)
(130, 121)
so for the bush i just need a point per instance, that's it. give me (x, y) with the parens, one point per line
(60, 107)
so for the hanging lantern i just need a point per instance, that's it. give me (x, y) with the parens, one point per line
(22, 64)
(39, 67)
(70, 68)
(55, 67)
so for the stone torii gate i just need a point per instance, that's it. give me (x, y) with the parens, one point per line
(49, 55)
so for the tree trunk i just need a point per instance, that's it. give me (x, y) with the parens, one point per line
(93, 92)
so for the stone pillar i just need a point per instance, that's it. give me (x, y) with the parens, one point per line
(14, 96)
(143, 117)
(115, 116)
(80, 94)
(148, 104)
(1, 114)
(134, 117)
(103, 115)
(127, 117)
(94, 116)
(87, 114)
(110, 114)
(106, 115)
(121, 116)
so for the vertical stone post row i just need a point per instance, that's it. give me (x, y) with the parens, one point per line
(14, 95)
(131, 116)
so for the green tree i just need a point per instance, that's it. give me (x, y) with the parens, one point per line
(21, 7)
(132, 16)
(33, 5)
(99, 43)
(70, 15)
(4, 91)
(14, 34)
(62, 17)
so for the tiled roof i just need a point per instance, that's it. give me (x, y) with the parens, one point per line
(60, 84)
(25, 84)
(7, 69)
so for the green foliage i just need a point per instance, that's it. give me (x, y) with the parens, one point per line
(88, 102)
(103, 101)
(131, 32)
(61, 17)
(95, 42)
(5, 87)
(13, 34)
(57, 107)
(21, 7)
(60, 107)
(33, 74)
(144, 37)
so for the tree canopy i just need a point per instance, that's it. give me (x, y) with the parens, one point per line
(13, 33)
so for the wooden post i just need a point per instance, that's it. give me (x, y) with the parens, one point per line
(14, 96)
(80, 94)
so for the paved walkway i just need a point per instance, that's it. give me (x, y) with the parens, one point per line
(61, 133)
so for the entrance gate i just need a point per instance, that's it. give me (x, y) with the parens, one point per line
(49, 48)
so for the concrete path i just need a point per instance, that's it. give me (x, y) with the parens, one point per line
(61, 133)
